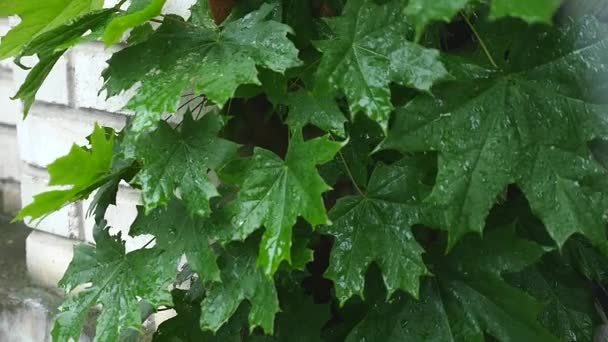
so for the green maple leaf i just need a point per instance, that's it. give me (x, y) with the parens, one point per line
(181, 159)
(568, 311)
(241, 280)
(528, 123)
(275, 192)
(317, 109)
(466, 298)
(376, 227)
(369, 51)
(220, 63)
(37, 19)
(83, 169)
(138, 13)
(185, 326)
(179, 233)
(117, 281)
(51, 45)
(421, 12)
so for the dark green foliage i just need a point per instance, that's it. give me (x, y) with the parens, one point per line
(354, 170)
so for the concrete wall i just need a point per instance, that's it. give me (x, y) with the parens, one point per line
(67, 107)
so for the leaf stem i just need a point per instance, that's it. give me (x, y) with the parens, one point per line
(478, 37)
(149, 242)
(350, 175)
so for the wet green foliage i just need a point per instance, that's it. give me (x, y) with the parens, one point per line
(352, 170)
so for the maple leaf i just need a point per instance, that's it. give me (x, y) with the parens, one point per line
(220, 63)
(568, 310)
(421, 12)
(83, 169)
(178, 233)
(376, 227)
(466, 299)
(368, 52)
(181, 159)
(317, 109)
(277, 191)
(528, 123)
(242, 280)
(36, 19)
(51, 45)
(117, 281)
(139, 12)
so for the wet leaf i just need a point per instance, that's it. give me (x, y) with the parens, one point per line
(529, 124)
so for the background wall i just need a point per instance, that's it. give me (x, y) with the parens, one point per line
(68, 105)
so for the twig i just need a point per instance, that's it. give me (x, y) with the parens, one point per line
(149, 242)
(350, 175)
(478, 37)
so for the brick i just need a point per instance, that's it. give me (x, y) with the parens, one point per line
(50, 131)
(55, 87)
(10, 110)
(119, 218)
(89, 61)
(9, 153)
(47, 257)
(65, 222)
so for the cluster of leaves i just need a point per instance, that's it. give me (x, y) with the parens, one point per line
(354, 170)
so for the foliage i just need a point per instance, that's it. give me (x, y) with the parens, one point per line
(353, 170)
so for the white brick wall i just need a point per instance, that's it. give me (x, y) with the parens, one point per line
(10, 111)
(65, 222)
(67, 107)
(9, 154)
(50, 131)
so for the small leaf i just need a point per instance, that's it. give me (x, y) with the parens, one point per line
(175, 159)
(138, 13)
(82, 169)
(241, 280)
(178, 233)
(319, 110)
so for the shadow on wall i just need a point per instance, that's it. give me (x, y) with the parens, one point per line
(26, 312)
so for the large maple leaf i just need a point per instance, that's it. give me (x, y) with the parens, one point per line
(368, 51)
(466, 299)
(181, 56)
(528, 123)
(376, 227)
(277, 191)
